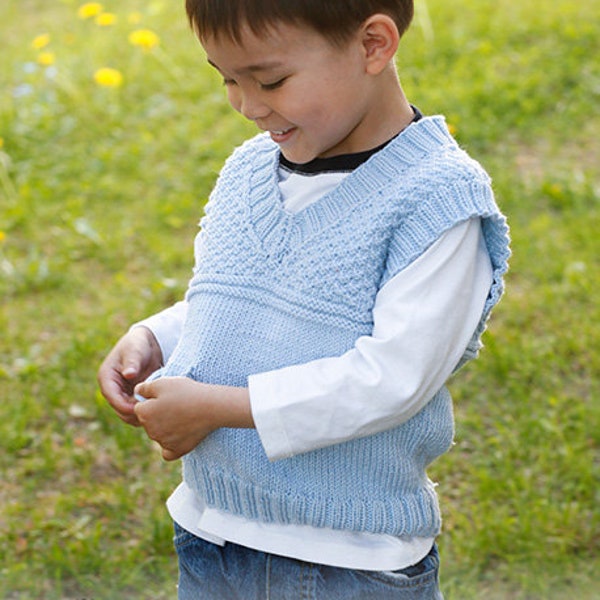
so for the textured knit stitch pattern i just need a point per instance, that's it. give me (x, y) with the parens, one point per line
(272, 289)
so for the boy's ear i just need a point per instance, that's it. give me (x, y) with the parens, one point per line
(380, 39)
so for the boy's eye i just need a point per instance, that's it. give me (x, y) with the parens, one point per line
(273, 86)
(227, 82)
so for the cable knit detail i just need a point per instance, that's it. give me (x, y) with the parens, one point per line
(272, 289)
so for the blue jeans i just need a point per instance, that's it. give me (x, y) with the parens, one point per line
(230, 572)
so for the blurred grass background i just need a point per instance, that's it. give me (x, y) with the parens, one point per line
(112, 131)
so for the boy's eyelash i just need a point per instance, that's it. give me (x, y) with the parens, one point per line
(274, 85)
(265, 86)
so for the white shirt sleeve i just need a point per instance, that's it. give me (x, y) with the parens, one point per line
(424, 317)
(166, 327)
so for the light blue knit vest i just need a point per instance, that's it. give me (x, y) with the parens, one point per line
(272, 289)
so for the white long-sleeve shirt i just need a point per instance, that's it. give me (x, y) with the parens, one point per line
(423, 319)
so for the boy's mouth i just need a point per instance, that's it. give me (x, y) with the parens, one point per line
(279, 136)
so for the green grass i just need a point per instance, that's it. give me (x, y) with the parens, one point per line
(101, 190)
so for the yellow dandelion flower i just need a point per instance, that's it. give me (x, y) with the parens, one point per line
(1, 143)
(46, 58)
(89, 9)
(134, 17)
(40, 41)
(144, 38)
(452, 129)
(554, 190)
(107, 77)
(106, 19)
(2, 236)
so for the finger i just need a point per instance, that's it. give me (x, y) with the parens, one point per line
(143, 391)
(131, 370)
(129, 419)
(124, 407)
(132, 365)
(143, 412)
(139, 410)
(116, 390)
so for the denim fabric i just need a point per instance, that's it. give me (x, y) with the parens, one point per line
(232, 572)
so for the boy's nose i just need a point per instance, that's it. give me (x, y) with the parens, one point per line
(251, 106)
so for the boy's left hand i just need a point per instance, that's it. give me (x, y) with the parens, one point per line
(179, 412)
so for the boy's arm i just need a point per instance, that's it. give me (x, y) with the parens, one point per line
(178, 412)
(424, 317)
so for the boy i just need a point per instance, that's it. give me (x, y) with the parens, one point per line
(346, 266)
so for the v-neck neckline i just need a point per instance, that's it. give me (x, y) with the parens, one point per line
(279, 231)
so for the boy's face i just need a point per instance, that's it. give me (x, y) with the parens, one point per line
(315, 99)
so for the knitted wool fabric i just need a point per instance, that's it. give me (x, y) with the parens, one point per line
(272, 289)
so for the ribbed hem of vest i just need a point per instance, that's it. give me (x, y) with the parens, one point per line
(416, 514)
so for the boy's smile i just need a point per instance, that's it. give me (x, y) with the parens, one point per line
(314, 98)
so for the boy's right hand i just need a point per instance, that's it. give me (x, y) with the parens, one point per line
(134, 357)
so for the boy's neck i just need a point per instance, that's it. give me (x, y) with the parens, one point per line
(389, 112)
(394, 112)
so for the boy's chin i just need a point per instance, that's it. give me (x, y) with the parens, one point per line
(298, 157)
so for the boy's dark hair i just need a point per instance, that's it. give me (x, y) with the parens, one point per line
(336, 20)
